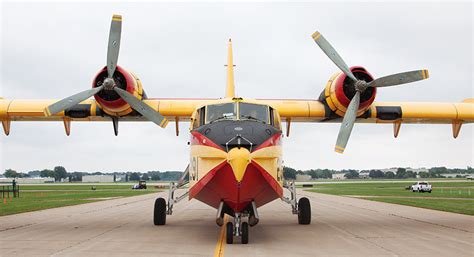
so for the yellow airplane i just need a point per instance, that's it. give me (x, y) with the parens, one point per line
(236, 160)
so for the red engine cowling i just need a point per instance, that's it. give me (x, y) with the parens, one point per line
(109, 100)
(340, 90)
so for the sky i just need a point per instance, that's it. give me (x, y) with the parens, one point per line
(53, 50)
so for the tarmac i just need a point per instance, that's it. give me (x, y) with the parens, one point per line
(341, 226)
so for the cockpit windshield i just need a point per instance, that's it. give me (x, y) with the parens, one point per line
(221, 112)
(238, 111)
(253, 112)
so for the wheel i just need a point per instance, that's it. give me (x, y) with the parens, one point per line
(304, 211)
(229, 227)
(429, 191)
(245, 233)
(159, 215)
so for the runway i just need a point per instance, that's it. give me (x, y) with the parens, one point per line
(341, 226)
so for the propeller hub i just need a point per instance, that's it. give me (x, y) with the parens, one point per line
(109, 84)
(360, 85)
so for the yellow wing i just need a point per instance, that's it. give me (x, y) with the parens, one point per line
(89, 110)
(380, 112)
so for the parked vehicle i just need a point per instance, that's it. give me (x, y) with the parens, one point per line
(141, 185)
(421, 187)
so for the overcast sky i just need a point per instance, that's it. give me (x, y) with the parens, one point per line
(53, 50)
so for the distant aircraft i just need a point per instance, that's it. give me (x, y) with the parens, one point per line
(236, 160)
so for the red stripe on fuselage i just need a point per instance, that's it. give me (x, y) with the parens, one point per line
(272, 141)
(199, 139)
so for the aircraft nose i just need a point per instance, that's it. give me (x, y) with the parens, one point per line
(238, 158)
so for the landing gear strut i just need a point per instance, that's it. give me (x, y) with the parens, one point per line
(161, 208)
(302, 208)
(237, 228)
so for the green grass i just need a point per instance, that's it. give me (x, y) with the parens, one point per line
(455, 196)
(457, 206)
(45, 197)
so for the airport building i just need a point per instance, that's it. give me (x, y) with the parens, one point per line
(302, 178)
(27, 180)
(98, 178)
(339, 176)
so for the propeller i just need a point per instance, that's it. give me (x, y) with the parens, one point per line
(109, 83)
(360, 86)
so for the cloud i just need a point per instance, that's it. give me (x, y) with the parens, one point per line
(52, 50)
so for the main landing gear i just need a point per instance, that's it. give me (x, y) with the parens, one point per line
(238, 228)
(161, 208)
(302, 208)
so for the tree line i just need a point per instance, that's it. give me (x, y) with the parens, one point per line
(435, 172)
(60, 173)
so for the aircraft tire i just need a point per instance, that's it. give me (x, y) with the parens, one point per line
(159, 214)
(229, 230)
(304, 211)
(245, 233)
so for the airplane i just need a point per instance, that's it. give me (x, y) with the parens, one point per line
(236, 162)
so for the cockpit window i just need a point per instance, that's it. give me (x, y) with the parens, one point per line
(220, 112)
(253, 112)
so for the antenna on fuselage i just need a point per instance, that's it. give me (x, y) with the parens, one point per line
(230, 89)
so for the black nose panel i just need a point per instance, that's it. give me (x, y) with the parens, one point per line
(238, 133)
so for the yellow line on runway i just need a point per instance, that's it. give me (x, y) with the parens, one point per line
(219, 251)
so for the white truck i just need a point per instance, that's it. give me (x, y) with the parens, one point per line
(421, 186)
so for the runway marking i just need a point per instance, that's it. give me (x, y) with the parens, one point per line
(220, 246)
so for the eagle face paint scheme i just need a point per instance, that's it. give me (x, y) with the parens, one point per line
(236, 162)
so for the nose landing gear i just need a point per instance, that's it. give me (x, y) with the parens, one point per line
(238, 229)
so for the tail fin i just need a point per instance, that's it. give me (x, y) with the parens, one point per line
(230, 89)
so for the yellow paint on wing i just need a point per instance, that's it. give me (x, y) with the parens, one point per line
(220, 246)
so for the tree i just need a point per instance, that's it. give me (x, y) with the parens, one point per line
(289, 173)
(145, 177)
(376, 174)
(389, 174)
(424, 174)
(9, 173)
(410, 174)
(352, 174)
(135, 176)
(76, 176)
(155, 176)
(47, 173)
(59, 173)
(401, 172)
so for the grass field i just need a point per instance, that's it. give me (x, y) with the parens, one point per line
(39, 197)
(452, 196)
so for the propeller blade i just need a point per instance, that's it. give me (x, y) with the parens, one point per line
(114, 44)
(332, 54)
(143, 108)
(70, 101)
(400, 78)
(347, 123)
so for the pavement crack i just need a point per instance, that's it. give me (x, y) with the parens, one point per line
(17, 227)
(431, 223)
(89, 239)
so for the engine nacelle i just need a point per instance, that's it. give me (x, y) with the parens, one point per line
(109, 100)
(340, 90)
